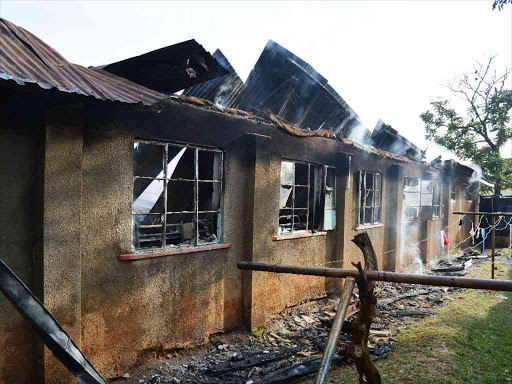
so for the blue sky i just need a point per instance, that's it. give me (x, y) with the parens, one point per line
(386, 58)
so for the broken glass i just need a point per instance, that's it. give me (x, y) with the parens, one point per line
(287, 173)
(181, 163)
(209, 165)
(285, 200)
(147, 196)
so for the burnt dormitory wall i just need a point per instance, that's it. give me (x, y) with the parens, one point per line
(119, 311)
(161, 303)
(20, 152)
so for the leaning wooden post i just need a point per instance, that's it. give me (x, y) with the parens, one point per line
(368, 373)
(346, 294)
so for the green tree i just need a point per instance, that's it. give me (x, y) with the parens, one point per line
(499, 4)
(483, 129)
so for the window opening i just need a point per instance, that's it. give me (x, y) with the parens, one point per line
(370, 189)
(307, 201)
(176, 195)
(412, 198)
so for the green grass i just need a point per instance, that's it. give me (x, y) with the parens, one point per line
(468, 341)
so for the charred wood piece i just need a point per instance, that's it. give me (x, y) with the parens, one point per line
(368, 373)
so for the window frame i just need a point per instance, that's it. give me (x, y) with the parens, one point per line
(418, 207)
(195, 211)
(323, 191)
(373, 207)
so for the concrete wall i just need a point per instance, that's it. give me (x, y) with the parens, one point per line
(119, 311)
(19, 231)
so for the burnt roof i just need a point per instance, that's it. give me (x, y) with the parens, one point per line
(286, 85)
(24, 58)
(224, 91)
(387, 138)
(169, 69)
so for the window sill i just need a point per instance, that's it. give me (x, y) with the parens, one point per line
(170, 252)
(368, 226)
(296, 235)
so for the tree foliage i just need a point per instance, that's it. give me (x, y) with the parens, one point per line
(479, 133)
(499, 4)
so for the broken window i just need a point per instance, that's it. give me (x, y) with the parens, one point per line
(307, 197)
(370, 189)
(431, 199)
(177, 193)
(453, 195)
(412, 198)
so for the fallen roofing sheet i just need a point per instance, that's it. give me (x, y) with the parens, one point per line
(223, 91)
(170, 69)
(48, 329)
(388, 139)
(287, 86)
(24, 58)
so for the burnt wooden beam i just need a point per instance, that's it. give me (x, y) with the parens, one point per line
(389, 277)
(368, 373)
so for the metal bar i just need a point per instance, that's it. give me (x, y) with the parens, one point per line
(166, 155)
(337, 324)
(390, 277)
(196, 194)
(307, 200)
(493, 242)
(48, 329)
(293, 200)
(192, 180)
(484, 213)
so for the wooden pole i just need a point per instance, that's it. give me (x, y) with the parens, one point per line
(390, 277)
(346, 294)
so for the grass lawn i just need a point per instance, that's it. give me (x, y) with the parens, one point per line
(468, 341)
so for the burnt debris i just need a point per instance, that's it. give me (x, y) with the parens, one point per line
(284, 84)
(169, 69)
(223, 91)
(388, 139)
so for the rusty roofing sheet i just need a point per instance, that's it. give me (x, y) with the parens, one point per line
(25, 58)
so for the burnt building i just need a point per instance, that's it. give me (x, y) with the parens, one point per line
(126, 209)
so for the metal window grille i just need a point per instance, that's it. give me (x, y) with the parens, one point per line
(177, 195)
(432, 199)
(412, 198)
(307, 197)
(370, 194)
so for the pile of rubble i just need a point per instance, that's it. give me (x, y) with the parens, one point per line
(292, 343)
(460, 264)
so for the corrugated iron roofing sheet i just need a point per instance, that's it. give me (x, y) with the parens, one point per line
(25, 58)
(224, 91)
(283, 83)
(169, 69)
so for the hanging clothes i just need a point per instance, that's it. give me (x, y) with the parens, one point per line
(441, 239)
(472, 233)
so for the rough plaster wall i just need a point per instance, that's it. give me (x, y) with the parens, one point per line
(17, 240)
(274, 292)
(60, 288)
(351, 253)
(195, 126)
(155, 304)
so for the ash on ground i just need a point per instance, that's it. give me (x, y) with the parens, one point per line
(299, 334)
